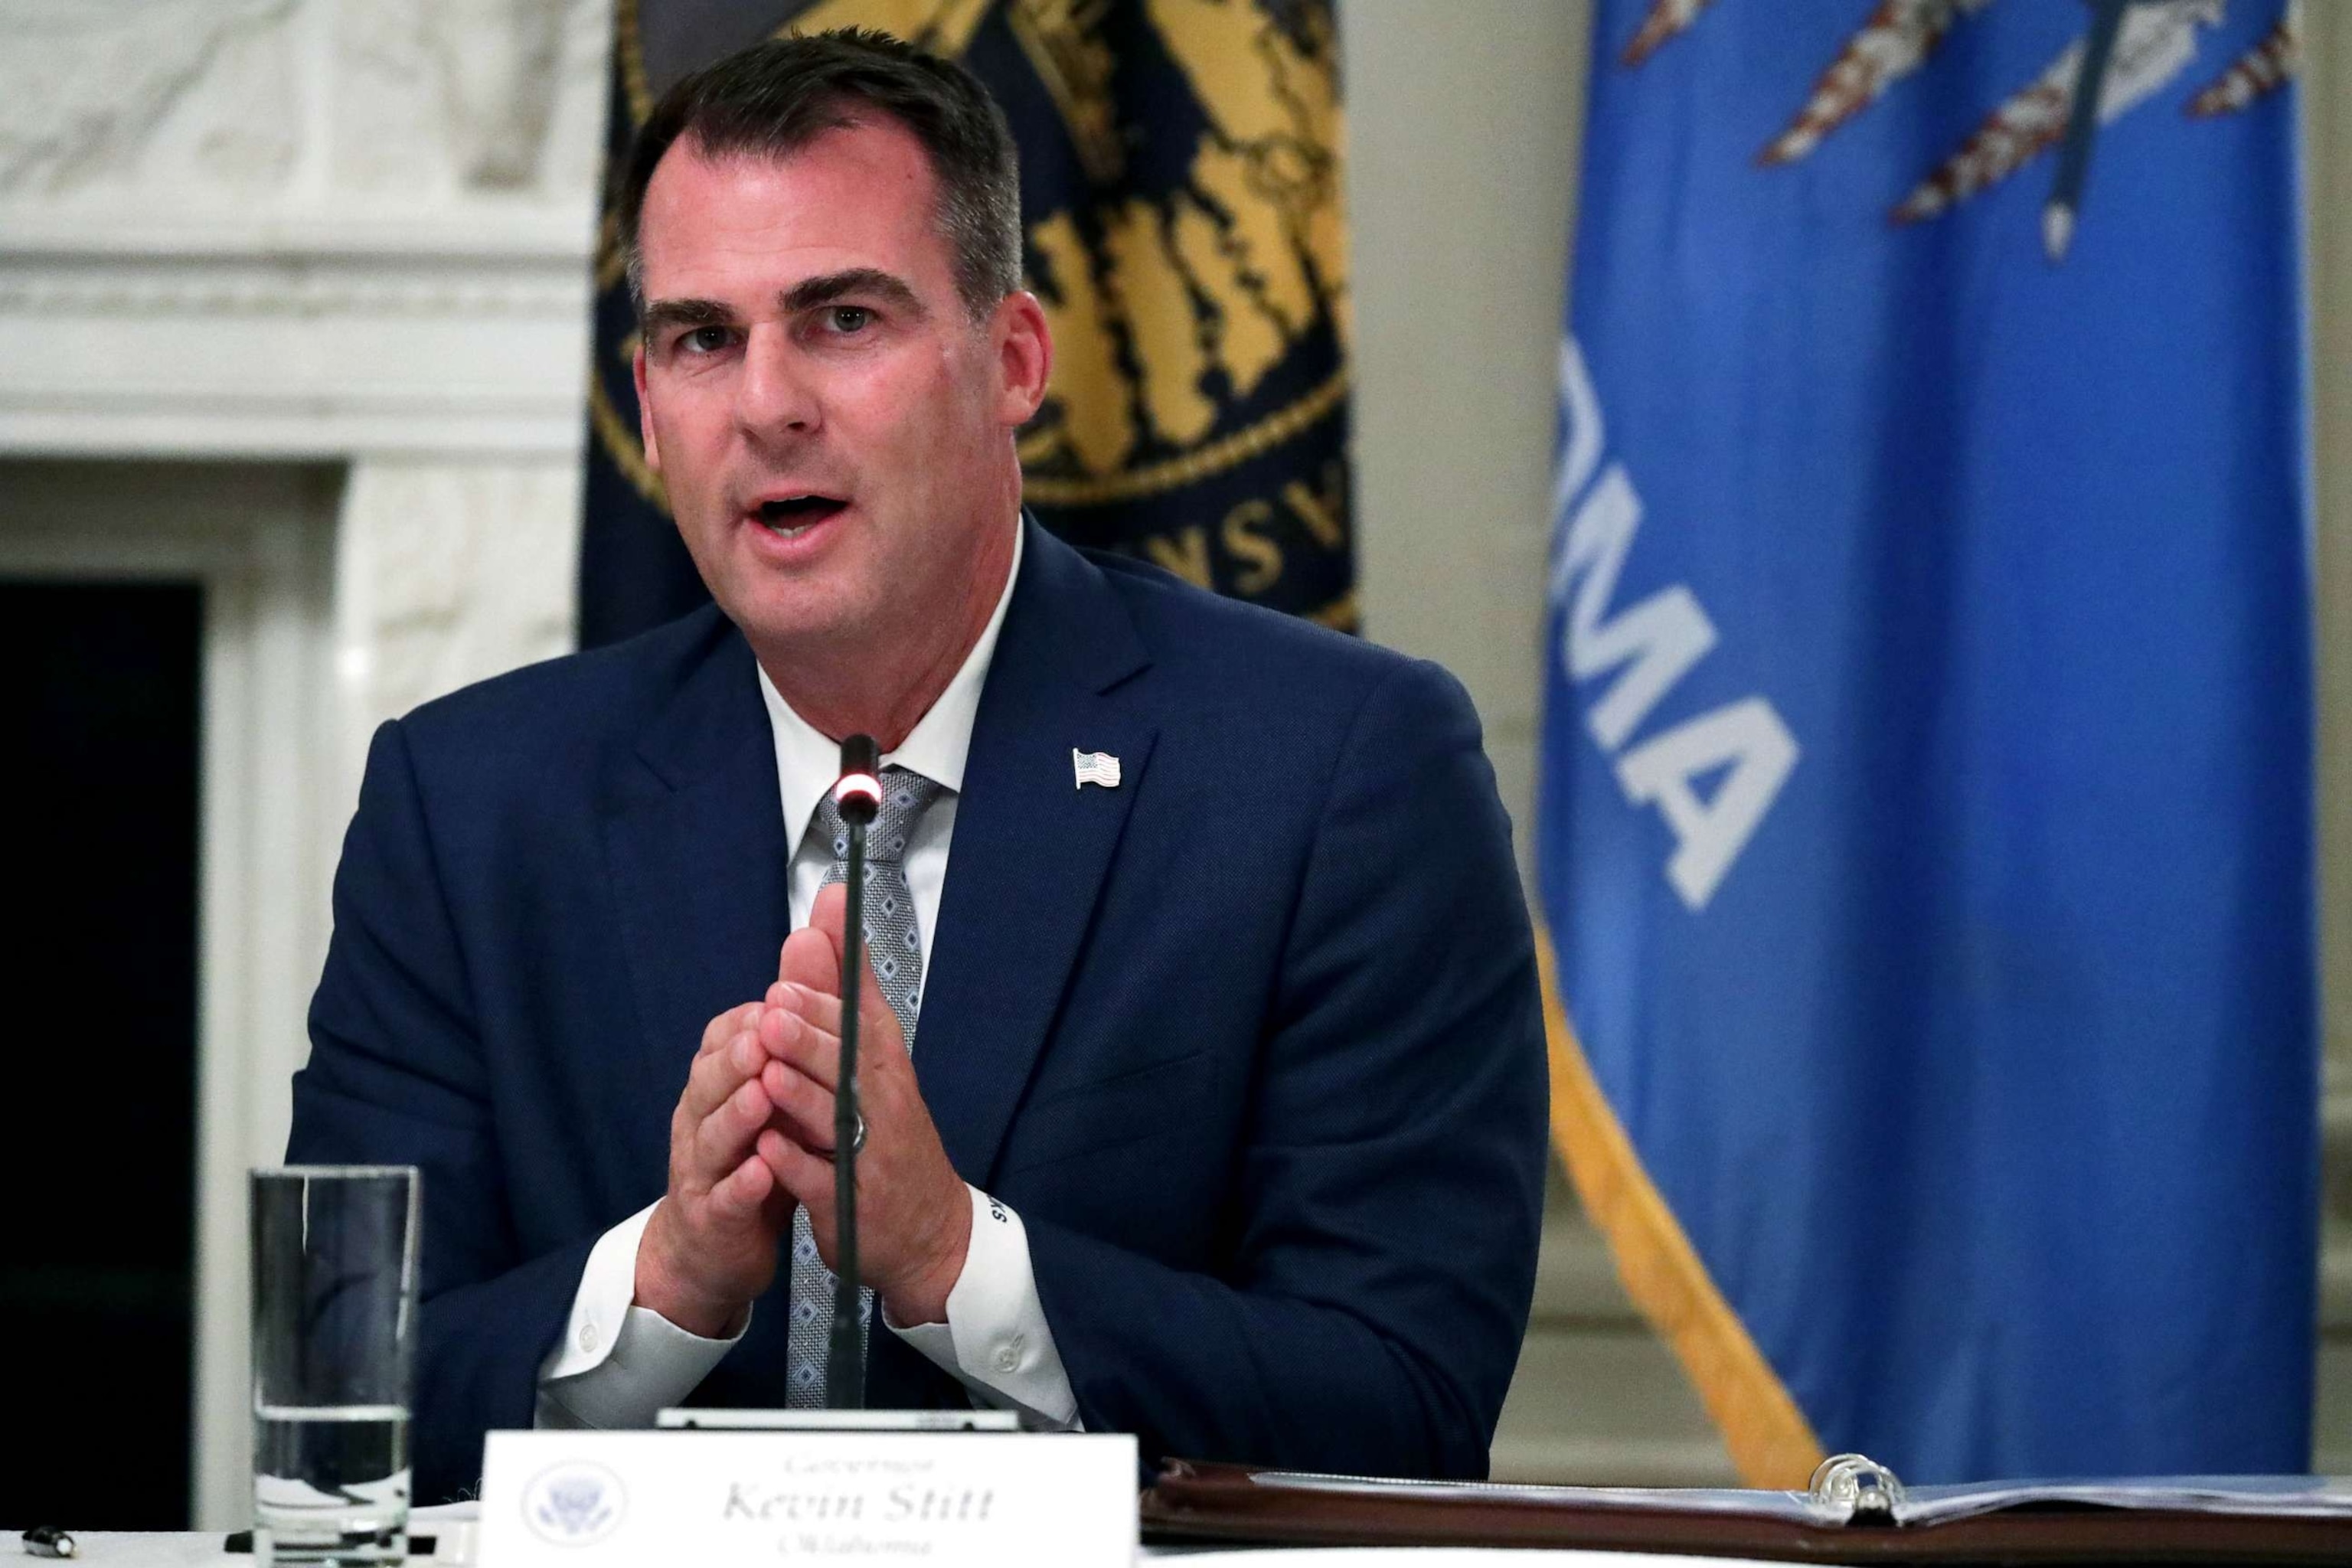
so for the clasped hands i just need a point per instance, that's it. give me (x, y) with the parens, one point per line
(751, 1139)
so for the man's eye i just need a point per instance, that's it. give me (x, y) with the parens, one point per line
(849, 318)
(703, 340)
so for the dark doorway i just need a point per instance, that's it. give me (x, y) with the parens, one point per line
(99, 799)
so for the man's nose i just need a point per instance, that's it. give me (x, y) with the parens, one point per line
(774, 393)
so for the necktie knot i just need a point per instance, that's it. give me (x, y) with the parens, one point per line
(905, 796)
(892, 934)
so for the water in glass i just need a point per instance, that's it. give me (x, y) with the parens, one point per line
(331, 1483)
(334, 1339)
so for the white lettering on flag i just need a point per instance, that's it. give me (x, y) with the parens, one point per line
(1654, 644)
(1748, 736)
(1657, 640)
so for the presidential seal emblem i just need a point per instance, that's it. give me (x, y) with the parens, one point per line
(574, 1504)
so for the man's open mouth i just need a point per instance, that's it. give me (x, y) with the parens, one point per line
(789, 517)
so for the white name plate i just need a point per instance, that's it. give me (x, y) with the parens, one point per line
(580, 1500)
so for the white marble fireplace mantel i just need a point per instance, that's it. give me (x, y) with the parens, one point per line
(294, 303)
(310, 337)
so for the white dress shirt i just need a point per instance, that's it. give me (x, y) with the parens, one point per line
(618, 1362)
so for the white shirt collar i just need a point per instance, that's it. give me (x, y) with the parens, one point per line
(807, 763)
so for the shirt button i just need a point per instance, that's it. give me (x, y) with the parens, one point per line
(588, 1337)
(1008, 1354)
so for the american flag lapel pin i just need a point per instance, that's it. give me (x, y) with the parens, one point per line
(1094, 768)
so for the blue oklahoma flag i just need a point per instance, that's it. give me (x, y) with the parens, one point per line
(1925, 827)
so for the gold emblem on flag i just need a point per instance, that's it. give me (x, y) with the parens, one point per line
(2154, 43)
(1170, 311)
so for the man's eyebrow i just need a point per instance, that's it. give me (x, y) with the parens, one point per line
(810, 293)
(662, 315)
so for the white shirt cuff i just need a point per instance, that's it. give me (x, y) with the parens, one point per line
(618, 1362)
(996, 1341)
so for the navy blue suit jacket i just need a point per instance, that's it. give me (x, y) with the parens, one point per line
(1252, 1042)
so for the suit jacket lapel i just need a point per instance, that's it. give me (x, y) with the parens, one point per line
(1031, 847)
(694, 835)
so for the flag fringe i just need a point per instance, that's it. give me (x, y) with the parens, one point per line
(1771, 1441)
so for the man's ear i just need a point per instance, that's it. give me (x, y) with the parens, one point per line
(1025, 356)
(644, 408)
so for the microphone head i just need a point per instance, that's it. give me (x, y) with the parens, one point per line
(858, 792)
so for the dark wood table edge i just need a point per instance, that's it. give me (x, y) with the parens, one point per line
(1196, 1503)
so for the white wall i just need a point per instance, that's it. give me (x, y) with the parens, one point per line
(2328, 184)
(1464, 123)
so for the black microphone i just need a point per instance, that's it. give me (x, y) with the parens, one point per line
(858, 794)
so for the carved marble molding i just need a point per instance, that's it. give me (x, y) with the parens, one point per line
(92, 281)
(448, 572)
(268, 228)
(221, 105)
(337, 342)
(498, 96)
(183, 94)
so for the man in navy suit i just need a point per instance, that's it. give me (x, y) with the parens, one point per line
(1225, 1120)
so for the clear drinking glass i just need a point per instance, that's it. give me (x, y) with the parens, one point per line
(334, 1342)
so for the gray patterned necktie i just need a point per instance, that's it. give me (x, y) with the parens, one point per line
(894, 949)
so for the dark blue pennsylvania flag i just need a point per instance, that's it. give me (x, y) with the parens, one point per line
(1925, 827)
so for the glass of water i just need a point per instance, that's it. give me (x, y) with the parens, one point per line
(334, 1342)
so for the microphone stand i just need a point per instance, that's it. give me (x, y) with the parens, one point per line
(858, 797)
